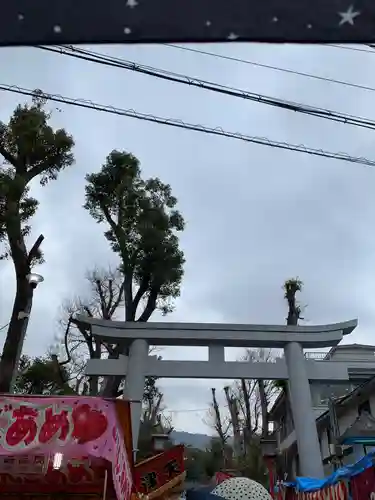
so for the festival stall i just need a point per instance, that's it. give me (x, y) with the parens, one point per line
(355, 481)
(65, 447)
(161, 476)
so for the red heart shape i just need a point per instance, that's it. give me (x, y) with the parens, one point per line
(89, 424)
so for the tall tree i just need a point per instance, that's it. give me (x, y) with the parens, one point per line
(254, 396)
(233, 404)
(31, 149)
(142, 222)
(219, 423)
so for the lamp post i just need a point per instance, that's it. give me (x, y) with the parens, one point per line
(159, 442)
(268, 447)
(33, 280)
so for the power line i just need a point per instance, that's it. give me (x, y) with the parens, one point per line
(173, 122)
(194, 410)
(267, 66)
(98, 58)
(4, 326)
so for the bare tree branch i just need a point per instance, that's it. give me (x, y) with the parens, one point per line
(35, 250)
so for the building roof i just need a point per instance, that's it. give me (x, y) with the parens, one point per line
(342, 347)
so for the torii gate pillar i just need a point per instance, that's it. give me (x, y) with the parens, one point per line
(134, 385)
(303, 415)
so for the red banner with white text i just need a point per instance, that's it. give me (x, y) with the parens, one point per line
(163, 471)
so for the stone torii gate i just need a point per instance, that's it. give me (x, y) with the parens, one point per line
(294, 367)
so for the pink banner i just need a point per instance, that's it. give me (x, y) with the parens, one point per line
(72, 426)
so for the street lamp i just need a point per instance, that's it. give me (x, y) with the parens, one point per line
(159, 438)
(33, 280)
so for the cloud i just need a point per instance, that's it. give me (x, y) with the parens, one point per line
(255, 215)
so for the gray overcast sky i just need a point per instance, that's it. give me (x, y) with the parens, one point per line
(255, 215)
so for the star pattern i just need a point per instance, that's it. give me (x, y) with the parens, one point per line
(348, 16)
(144, 21)
(131, 3)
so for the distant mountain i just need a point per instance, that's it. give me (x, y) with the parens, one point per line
(200, 441)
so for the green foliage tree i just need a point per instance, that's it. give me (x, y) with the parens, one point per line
(252, 464)
(42, 375)
(217, 456)
(31, 149)
(142, 223)
(194, 464)
(202, 465)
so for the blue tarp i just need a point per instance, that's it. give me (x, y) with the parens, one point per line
(311, 484)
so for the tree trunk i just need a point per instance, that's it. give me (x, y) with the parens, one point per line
(24, 292)
(15, 335)
(233, 410)
(94, 385)
(292, 320)
(263, 406)
(218, 423)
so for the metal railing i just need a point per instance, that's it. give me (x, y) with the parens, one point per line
(318, 356)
